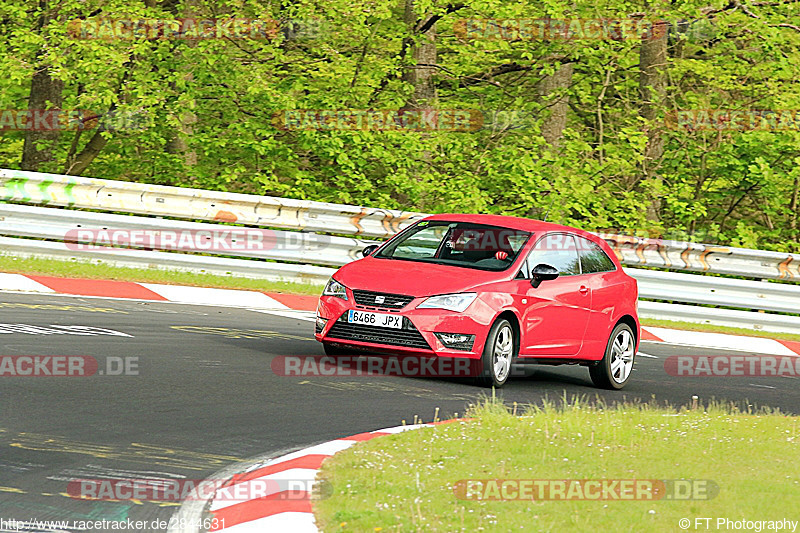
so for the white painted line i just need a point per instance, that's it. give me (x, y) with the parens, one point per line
(294, 522)
(762, 386)
(722, 341)
(400, 429)
(117, 299)
(641, 354)
(310, 316)
(203, 296)
(20, 283)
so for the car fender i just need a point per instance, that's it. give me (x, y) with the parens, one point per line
(500, 303)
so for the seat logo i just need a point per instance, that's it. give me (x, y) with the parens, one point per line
(380, 299)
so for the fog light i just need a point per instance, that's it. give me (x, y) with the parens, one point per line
(320, 325)
(456, 341)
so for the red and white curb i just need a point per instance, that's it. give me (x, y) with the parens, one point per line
(286, 508)
(156, 292)
(721, 341)
(294, 306)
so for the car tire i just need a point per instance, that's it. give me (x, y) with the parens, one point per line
(616, 367)
(499, 353)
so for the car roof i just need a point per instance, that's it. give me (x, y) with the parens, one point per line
(516, 223)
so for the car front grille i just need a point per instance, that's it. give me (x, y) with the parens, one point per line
(381, 299)
(409, 336)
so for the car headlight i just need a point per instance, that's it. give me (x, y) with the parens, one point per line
(452, 302)
(334, 288)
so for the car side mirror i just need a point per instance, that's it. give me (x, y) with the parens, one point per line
(369, 250)
(542, 272)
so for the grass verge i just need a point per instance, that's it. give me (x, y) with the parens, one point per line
(404, 482)
(83, 269)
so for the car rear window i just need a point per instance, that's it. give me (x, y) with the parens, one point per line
(557, 250)
(593, 258)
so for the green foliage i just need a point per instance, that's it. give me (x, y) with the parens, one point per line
(222, 97)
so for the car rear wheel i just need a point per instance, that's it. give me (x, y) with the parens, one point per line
(614, 370)
(498, 354)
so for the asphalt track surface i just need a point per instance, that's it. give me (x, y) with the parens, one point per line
(205, 398)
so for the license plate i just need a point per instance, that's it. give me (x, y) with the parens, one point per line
(375, 319)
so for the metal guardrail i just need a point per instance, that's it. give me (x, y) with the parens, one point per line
(303, 215)
(726, 292)
(677, 255)
(197, 204)
(720, 317)
(303, 256)
(276, 245)
(148, 259)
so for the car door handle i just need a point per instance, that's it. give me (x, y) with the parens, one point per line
(583, 290)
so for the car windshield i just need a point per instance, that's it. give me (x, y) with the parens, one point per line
(461, 244)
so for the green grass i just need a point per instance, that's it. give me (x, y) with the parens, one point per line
(405, 482)
(83, 269)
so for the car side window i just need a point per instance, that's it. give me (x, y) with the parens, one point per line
(557, 250)
(593, 258)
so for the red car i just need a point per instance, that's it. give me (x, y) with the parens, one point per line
(494, 289)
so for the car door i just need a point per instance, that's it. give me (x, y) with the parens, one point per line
(556, 313)
(599, 272)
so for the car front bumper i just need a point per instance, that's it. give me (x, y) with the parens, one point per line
(418, 336)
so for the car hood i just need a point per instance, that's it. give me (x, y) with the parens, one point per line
(413, 278)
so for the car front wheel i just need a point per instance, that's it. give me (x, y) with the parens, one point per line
(613, 371)
(498, 354)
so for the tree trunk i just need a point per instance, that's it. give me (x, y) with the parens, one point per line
(555, 120)
(38, 145)
(652, 89)
(793, 205)
(178, 142)
(420, 75)
(421, 42)
(89, 152)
